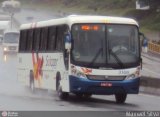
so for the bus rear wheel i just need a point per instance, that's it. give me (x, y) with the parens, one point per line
(32, 87)
(62, 95)
(120, 97)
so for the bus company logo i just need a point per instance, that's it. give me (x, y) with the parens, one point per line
(37, 62)
(51, 62)
(4, 114)
(86, 71)
(37, 65)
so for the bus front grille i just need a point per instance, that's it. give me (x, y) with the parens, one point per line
(105, 78)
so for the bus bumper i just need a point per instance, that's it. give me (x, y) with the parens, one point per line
(84, 85)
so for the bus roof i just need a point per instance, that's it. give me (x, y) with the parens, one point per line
(4, 24)
(72, 19)
(11, 31)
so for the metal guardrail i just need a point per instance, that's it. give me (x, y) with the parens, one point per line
(154, 47)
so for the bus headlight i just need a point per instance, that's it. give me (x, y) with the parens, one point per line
(5, 48)
(136, 74)
(129, 77)
(77, 73)
(80, 74)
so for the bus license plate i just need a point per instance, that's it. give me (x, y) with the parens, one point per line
(106, 84)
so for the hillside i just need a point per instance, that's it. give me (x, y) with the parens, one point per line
(149, 20)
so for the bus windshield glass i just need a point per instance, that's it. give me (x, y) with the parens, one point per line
(11, 38)
(100, 45)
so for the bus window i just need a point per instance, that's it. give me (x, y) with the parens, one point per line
(11, 37)
(51, 39)
(36, 40)
(44, 37)
(23, 39)
(29, 40)
(60, 37)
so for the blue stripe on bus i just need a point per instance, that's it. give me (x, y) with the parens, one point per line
(84, 85)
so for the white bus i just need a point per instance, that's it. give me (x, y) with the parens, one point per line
(83, 55)
(10, 42)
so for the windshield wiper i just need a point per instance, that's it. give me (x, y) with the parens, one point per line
(117, 59)
(96, 56)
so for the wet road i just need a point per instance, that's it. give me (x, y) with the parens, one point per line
(14, 96)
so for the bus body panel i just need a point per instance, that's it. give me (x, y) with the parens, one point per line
(81, 85)
(101, 83)
(70, 20)
(45, 76)
(109, 72)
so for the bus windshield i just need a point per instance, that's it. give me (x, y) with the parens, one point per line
(11, 38)
(101, 45)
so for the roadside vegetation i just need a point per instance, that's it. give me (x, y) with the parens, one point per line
(149, 19)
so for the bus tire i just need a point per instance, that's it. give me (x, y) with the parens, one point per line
(120, 97)
(58, 78)
(62, 95)
(31, 85)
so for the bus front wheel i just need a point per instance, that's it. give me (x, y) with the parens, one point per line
(120, 97)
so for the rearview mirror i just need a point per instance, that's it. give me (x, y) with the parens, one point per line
(143, 42)
(142, 37)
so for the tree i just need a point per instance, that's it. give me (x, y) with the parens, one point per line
(11, 7)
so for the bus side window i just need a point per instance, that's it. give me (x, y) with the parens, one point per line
(23, 39)
(44, 38)
(60, 37)
(51, 46)
(36, 40)
(29, 40)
